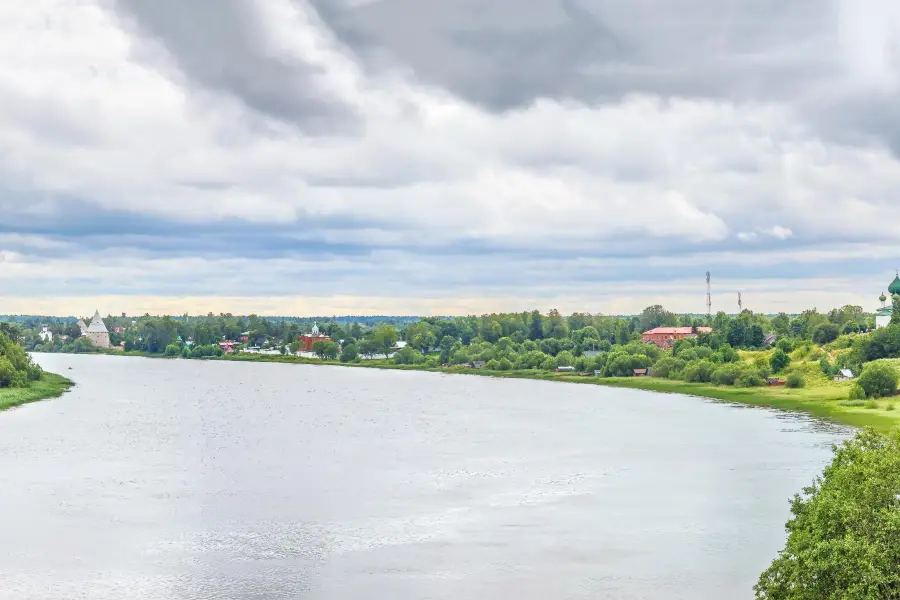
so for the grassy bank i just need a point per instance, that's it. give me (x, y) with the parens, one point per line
(50, 386)
(821, 397)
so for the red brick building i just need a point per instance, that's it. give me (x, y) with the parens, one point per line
(665, 337)
(308, 339)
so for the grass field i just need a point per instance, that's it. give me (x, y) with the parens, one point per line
(50, 386)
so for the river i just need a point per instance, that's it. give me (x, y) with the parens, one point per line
(174, 479)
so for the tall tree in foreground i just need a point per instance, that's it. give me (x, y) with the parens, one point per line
(844, 537)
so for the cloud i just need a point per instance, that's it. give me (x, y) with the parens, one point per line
(780, 233)
(354, 149)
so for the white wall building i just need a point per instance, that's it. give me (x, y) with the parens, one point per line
(97, 332)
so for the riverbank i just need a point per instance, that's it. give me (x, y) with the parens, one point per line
(821, 397)
(51, 385)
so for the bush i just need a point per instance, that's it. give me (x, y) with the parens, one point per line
(668, 366)
(8, 373)
(408, 356)
(349, 353)
(785, 345)
(35, 372)
(726, 374)
(749, 379)
(504, 364)
(853, 403)
(878, 379)
(173, 350)
(206, 351)
(857, 392)
(870, 405)
(779, 360)
(825, 333)
(699, 371)
(565, 359)
(795, 380)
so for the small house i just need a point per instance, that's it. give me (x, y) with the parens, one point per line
(478, 364)
(844, 375)
(641, 372)
(598, 373)
(565, 369)
(774, 381)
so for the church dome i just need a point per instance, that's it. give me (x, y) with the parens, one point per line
(894, 288)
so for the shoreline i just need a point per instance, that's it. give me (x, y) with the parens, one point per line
(50, 386)
(822, 401)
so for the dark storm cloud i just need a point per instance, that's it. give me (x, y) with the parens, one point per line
(217, 44)
(507, 53)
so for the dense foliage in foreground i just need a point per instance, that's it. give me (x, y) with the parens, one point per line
(844, 537)
(16, 367)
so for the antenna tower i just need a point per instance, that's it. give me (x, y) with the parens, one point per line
(740, 304)
(708, 296)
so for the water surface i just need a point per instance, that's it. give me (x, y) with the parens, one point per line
(160, 479)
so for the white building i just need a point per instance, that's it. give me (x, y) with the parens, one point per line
(97, 332)
(46, 335)
(883, 314)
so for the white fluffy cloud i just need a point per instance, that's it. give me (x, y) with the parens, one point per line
(95, 114)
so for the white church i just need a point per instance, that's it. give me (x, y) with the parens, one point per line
(883, 314)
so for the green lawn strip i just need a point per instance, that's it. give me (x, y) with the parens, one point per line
(50, 386)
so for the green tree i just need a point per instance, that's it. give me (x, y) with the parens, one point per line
(385, 338)
(844, 536)
(878, 379)
(326, 350)
(825, 333)
(408, 356)
(349, 353)
(367, 347)
(656, 316)
(421, 336)
(779, 360)
(537, 326)
(11, 331)
(84, 345)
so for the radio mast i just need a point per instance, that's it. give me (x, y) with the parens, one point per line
(740, 304)
(708, 297)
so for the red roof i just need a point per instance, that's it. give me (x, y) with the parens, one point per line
(677, 330)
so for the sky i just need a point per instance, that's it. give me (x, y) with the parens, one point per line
(318, 157)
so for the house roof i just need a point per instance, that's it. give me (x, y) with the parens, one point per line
(97, 325)
(677, 330)
(847, 373)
